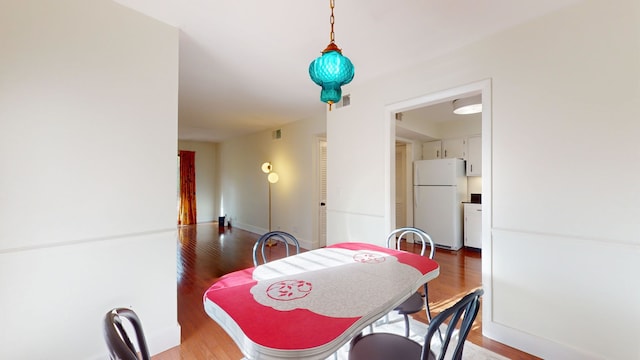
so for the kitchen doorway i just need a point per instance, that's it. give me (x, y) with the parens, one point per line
(392, 115)
(436, 132)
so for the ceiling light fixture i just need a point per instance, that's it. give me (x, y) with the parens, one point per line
(470, 105)
(332, 69)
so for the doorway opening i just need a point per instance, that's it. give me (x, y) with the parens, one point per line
(187, 213)
(403, 197)
(484, 89)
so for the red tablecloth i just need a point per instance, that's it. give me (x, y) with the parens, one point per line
(308, 305)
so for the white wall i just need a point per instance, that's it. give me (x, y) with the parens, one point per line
(564, 251)
(356, 179)
(87, 196)
(245, 190)
(474, 185)
(206, 184)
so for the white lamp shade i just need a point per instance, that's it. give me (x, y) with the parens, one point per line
(273, 177)
(470, 105)
(266, 167)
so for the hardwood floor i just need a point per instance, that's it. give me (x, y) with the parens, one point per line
(205, 254)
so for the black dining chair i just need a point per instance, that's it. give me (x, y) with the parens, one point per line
(274, 238)
(117, 339)
(385, 346)
(417, 301)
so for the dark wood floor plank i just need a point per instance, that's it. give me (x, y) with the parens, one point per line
(205, 254)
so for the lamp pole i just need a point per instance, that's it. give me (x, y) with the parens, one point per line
(272, 178)
(269, 205)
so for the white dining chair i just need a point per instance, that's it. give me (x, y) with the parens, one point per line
(274, 238)
(417, 301)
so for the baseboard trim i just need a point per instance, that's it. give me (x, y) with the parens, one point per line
(304, 243)
(533, 345)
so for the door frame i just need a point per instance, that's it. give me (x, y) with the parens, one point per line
(319, 210)
(482, 87)
(403, 148)
(409, 153)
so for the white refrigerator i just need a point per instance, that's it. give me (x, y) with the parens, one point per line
(440, 187)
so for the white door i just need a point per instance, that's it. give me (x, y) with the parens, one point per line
(435, 210)
(401, 188)
(322, 193)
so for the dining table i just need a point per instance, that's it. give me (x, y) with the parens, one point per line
(308, 305)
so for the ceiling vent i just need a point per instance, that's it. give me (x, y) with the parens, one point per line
(345, 101)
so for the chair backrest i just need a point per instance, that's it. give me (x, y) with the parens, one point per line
(286, 240)
(117, 339)
(461, 316)
(419, 235)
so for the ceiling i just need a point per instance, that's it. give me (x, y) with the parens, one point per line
(244, 63)
(407, 127)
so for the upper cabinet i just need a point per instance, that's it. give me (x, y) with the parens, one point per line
(444, 149)
(432, 150)
(469, 149)
(453, 148)
(474, 156)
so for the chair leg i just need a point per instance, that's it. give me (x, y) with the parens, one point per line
(428, 309)
(426, 302)
(406, 325)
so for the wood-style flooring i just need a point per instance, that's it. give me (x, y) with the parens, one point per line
(205, 254)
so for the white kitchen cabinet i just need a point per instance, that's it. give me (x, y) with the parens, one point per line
(474, 156)
(473, 225)
(444, 149)
(453, 148)
(432, 150)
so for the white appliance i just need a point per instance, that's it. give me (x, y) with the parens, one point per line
(440, 187)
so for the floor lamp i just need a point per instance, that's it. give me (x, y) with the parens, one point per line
(272, 178)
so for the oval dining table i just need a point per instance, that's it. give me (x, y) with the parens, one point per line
(308, 305)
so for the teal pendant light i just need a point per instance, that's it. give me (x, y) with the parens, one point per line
(331, 70)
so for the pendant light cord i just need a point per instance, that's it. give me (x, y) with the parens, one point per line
(332, 20)
(331, 70)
